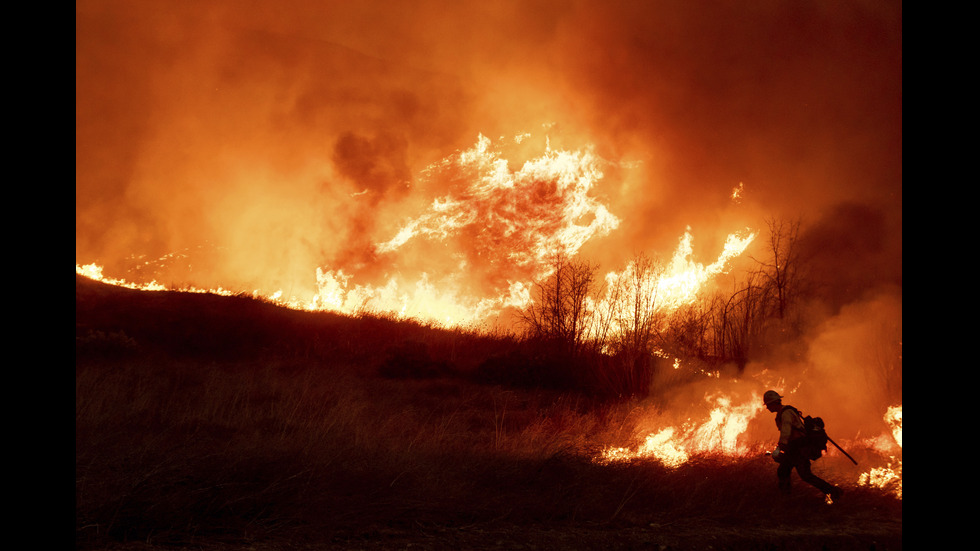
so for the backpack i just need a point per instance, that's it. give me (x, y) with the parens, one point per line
(814, 440)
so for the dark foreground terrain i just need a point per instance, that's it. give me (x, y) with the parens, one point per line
(695, 535)
(219, 423)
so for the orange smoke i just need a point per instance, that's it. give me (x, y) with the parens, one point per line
(302, 152)
(298, 135)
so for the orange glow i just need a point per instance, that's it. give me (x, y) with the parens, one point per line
(890, 475)
(685, 277)
(307, 142)
(446, 305)
(425, 160)
(94, 271)
(510, 222)
(737, 192)
(718, 434)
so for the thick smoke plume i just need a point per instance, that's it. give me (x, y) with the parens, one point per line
(247, 144)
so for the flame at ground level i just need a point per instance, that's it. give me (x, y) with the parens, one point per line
(497, 231)
(719, 433)
(94, 272)
(890, 475)
(443, 304)
(723, 431)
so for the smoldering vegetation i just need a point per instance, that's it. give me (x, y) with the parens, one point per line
(206, 420)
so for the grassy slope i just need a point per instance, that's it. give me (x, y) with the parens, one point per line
(212, 422)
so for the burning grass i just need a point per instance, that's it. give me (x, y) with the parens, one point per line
(299, 439)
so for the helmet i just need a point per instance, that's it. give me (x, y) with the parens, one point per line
(770, 396)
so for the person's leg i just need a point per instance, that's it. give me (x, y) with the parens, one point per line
(783, 473)
(803, 469)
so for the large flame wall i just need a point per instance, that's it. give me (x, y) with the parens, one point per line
(315, 147)
(276, 139)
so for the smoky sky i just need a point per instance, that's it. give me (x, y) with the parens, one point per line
(286, 136)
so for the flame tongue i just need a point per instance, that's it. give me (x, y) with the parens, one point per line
(478, 248)
(678, 283)
(529, 213)
(674, 445)
(498, 228)
(890, 475)
(501, 228)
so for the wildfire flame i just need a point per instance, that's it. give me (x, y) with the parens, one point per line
(894, 419)
(673, 446)
(540, 205)
(511, 222)
(889, 476)
(683, 278)
(737, 192)
(722, 432)
(502, 227)
(94, 271)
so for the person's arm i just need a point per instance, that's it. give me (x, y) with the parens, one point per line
(785, 427)
(787, 422)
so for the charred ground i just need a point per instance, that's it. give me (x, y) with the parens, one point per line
(214, 422)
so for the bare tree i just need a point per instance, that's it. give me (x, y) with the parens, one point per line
(633, 306)
(559, 310)
(765, 299)
(689, 331)
(739, 322)
(782, 272)
(633, 318)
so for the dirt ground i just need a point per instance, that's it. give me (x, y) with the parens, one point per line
(885, 535)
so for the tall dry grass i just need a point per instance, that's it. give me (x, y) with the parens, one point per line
(278, 426)
(190, 448)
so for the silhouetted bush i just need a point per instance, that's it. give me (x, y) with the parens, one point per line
(411, 360)
(104, 344)
(257, 450)
(536, 364)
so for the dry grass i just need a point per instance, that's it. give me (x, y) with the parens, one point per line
(277, 427)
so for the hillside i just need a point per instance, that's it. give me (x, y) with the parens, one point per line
(213, 422)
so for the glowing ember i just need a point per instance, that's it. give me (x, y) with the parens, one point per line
(737, 192)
